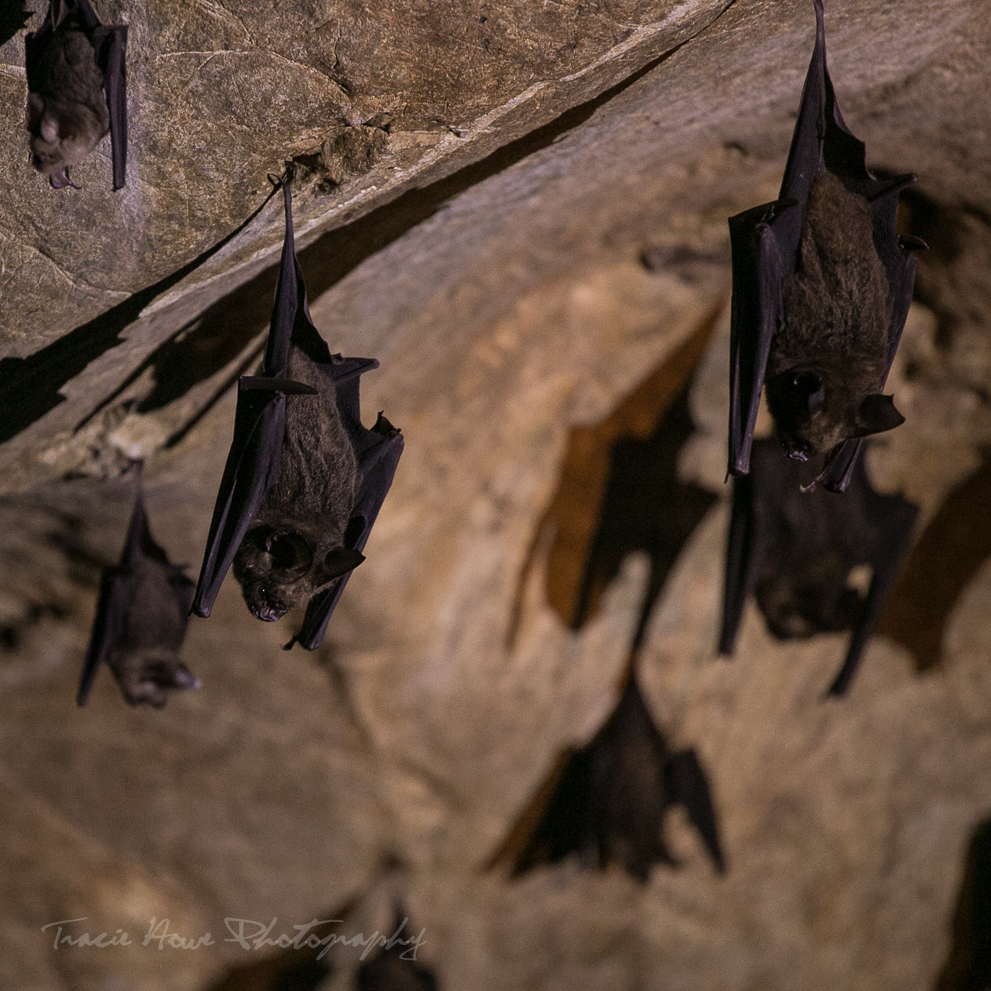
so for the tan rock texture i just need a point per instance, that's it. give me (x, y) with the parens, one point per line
(534, 230)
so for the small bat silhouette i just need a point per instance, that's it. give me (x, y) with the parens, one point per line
(141, 620)
(391, 969)
(304, 480)
(610, 797)
(76, 90)
(821, 290)
(796, 550)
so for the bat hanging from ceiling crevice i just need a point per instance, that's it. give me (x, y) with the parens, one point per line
(821, 289)
(77, 90)
(304, 479)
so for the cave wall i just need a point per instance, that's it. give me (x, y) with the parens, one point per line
(491, 258)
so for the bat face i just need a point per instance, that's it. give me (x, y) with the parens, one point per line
(829, 357)
(67, 112)
(802, 598)
(279, 568)
(295, 545)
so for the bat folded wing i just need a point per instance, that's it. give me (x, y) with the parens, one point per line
(110, 45)
(378, 457)
(252, 468)
(756, 312)
(116, 593)
(687, 785)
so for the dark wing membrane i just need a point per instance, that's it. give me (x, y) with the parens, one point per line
(742, 562)
(756, 313)
(378, 454)
(110, 44)
(116, 588)
(893, 519)
(114, 603)
(687, 785)
(252, 468)
(291, 323)
(757, 500)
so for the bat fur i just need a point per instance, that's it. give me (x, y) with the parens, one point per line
(67, 114)
(145, 662)
(294, 545)
(141, 620)
(828, 360)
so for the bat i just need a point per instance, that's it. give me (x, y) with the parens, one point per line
(796, 551)
(77, 90)
(304, 479)
(141, 618)
(821, 290)
(392, 968)
(609, 798)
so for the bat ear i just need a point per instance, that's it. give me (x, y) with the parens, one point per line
(337, 562)
(876, 414)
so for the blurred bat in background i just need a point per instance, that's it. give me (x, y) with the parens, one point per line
(76, 90)
(821, 290)
(395, 967)
(607, 801)
(797, 550)
(304, 479)
(141, 620)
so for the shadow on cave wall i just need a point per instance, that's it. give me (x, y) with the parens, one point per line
(618, 492)
(968, 964)
(29, 387)
(954, 545)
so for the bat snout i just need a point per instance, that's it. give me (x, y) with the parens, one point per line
(266, 611)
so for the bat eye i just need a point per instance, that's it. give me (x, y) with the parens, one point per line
(808, 385)
(288, 551)
(282, 547)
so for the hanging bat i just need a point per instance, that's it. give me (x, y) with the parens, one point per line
(610, 797)
(393, 968)
(141, 620)
(821, 290)
(304, 480)
(797, 550)
(76, 90)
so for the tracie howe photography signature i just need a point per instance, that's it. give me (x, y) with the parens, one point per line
(249, 934)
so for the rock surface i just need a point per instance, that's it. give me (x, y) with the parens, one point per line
(490, 256)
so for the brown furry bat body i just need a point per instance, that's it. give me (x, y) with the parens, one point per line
(295, 542)
(829, 358)
(67, 111)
